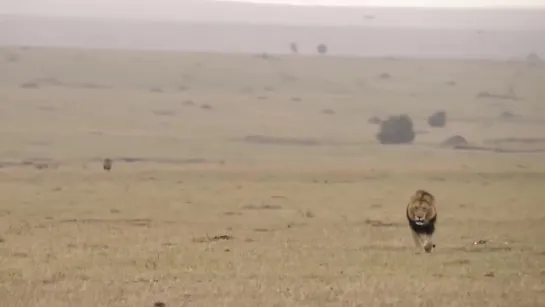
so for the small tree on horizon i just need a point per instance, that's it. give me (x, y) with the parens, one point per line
(321, 48)
(294, 48)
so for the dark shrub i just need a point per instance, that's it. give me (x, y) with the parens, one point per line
(397, 129)
(321, 48)
(455, 141)
(437, 119)
(107, 164)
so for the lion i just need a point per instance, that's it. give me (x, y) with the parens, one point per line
(422, 216)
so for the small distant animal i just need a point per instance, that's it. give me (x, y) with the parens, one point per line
(422, 216)
(107, 164)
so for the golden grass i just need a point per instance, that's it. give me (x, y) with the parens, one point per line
(199, 216)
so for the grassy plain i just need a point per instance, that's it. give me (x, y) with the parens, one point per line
(242, 180)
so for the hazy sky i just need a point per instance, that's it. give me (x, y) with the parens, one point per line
(436, 3)
(209, 10)
(173, 7)
(54, 5)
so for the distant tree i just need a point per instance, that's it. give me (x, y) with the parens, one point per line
(322, 48)
(533, 58)
(294, 48)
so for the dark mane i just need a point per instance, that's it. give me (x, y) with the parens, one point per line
(428, 228)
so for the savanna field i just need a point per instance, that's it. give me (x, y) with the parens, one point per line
(251, 180)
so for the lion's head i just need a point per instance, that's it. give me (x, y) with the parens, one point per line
(421, 209)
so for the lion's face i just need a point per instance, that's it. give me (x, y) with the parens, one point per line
(421, 213)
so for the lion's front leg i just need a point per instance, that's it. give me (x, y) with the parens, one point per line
(428, 244)
(417, 240)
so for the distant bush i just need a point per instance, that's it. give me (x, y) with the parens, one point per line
(385, 75)
(396, 129)
(322, 48)
(507, 115)
(455, 141)
(30, 85)
(107, 164)
(533, 58)
(437, 119)
(328, 111)
(294, 48)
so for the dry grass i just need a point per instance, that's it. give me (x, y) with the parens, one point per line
(193, 215)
